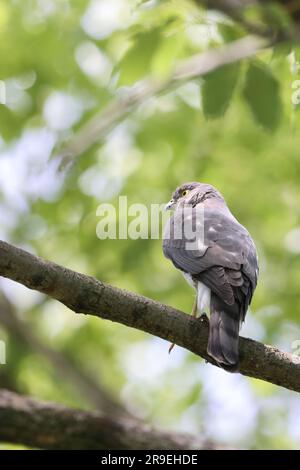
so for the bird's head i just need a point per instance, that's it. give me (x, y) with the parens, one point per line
(191, 194)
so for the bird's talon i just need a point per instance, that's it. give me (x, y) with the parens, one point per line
(204, 318)
(171, 347)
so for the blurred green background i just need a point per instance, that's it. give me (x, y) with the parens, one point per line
(62, 61)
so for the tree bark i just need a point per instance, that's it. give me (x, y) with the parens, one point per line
(24, 420)
(85, 294)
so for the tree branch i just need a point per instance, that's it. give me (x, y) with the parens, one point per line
(260, 37)
(235, 10)
(24, 420)
(65, 367)
(84, 294)
(200, 64)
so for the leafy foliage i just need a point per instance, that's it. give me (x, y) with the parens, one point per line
(62, 61)
(261, 92)
(218, 89)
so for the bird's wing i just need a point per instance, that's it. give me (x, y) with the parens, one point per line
(225, 259)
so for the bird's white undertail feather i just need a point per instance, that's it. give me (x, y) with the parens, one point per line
(203, 301)
(203, 294)
(189, 279)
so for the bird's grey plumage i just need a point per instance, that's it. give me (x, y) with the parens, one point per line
(225, 261)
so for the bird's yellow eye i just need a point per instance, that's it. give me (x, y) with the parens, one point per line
(184, 192)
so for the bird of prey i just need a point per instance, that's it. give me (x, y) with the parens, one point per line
(218, 258)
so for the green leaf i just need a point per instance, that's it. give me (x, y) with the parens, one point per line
(230, 32)
(281, 50)
(164, 58)
(218, 89)
(277, 16)
(137, 61)
(261, 92)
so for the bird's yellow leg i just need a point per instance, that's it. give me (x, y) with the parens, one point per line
(194, 314)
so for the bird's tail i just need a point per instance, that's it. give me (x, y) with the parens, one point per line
(223, 340)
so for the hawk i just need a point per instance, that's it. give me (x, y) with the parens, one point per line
(218, 258)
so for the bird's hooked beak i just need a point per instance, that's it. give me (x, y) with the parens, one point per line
(171, 205)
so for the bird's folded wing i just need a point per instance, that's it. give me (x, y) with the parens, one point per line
(224, 243)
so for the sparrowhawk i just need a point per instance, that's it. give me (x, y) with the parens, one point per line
(218, 258)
